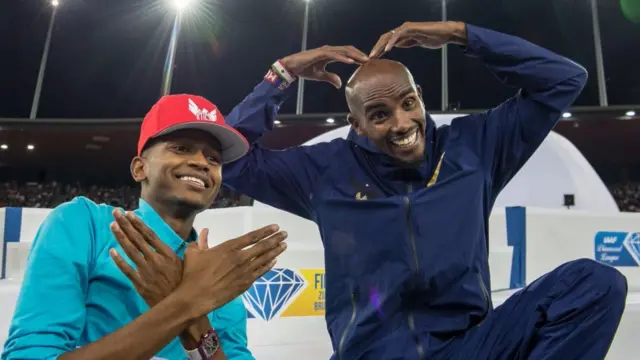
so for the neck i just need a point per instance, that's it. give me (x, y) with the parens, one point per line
(177, 216)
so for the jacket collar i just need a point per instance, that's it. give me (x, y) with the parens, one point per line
(164, 232)
(387, 167)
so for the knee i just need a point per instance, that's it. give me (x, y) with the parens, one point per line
(602, 279)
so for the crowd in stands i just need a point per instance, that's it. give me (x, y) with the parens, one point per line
(627, 196)
(51, 194)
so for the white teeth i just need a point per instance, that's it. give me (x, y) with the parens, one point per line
(192, 180)
(407, 141)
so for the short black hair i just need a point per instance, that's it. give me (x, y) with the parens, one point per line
(150, 143)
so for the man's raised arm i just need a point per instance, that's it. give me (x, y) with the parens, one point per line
(283, 179)
(548, 85)
(509, 134)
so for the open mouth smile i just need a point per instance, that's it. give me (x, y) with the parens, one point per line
(406, 141)
(195, 181)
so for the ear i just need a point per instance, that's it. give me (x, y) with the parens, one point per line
(137, 169)
(419, 92)
(355, 124)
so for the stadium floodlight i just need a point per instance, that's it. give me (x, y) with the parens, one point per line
(4, 146)
(566, 115)
(43, 62)
(181, 5)
(330, 120)
(305, 32)
(631, 113)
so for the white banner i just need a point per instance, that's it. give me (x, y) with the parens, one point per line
(295, 325)
(284, 328)
(555, 237)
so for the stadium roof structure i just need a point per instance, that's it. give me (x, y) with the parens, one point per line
(106, 146)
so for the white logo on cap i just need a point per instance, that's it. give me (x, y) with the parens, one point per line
(202, 114)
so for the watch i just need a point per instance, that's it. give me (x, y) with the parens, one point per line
(207, 347)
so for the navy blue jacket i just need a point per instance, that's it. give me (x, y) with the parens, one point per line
(406, 250)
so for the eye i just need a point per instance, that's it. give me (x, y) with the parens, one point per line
(214, 160)
(409, 103)
(213, 157)
(180, 149)
(379, 116)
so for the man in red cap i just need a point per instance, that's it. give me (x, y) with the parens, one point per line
(150, 286)
(190, 112)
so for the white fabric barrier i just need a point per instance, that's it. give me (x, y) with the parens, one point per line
(304, 250)
(283, 329)
(554, 237)
(295, 324)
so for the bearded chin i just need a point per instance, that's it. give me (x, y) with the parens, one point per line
(184, 208)
(410, 164)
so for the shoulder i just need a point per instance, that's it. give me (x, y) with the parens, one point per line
(75, 211)
(464, 126)
(322, 154)
(76, 220)
(68, 234)
(327, 147)
(465, 121)
(80, 211)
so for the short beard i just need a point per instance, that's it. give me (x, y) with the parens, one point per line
(414, 164)
(184, 209)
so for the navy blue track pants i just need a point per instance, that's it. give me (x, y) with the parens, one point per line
(571, 313)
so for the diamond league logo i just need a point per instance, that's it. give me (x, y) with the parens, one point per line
(633, 243)
(272, 293)
(618, 248)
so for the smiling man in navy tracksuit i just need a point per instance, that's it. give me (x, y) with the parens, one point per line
(403, 206)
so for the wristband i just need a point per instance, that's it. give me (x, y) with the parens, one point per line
(279, 76)
(279, 68)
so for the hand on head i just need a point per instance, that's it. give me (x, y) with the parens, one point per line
(312, 64)
(430, 35)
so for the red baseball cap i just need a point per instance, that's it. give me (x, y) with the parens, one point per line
(178, 112)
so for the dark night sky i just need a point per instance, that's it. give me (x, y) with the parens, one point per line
(107, 56)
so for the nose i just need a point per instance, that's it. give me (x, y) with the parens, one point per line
(402, 122)
(198, 160)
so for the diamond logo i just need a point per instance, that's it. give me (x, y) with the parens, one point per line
(632, 242)
(270, 295)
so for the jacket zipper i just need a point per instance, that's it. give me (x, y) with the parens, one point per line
(485, 293)
(346, 329)
(411, 235)
(412, 325)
